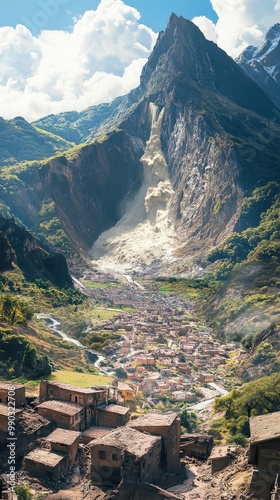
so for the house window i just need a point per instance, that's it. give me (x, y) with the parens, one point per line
(76, 399)
(102, 455)
(76, 416)
(114, 457)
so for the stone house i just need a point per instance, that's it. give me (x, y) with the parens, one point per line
(88, 397)
(221, 457)
(168, 427)
(113, 416)
(17, 393)
(65, 441)
(4, 417)
(94, 433)
(125, 455)
(183, 367)
(196, 445)
(205, 378)
(126, 391)
(45, 464)
(65, 415)
(264, 452)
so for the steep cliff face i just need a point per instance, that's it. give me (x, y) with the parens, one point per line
(218, 138)
(6, 253)
(18, 246)
(211, 133)
(262, 64)
(90, 190)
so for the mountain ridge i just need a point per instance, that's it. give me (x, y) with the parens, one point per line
(211, 139)
(21, 141)
(262, 64)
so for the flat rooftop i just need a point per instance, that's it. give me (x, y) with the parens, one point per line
(153, 420)
(4, 410)
(96, 432)
(74, 388)
(61, 407)
(221, 451)
(124, 387)
(265, 427)
(6, 385)
(63, 436)
(121, 410)
(130, 440)
(45, 457)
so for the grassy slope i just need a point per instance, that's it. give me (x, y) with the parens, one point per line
(240, 297)
(75, 311)
(21, 141)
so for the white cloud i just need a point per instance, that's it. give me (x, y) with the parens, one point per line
(241, 23)
(207, 27)
(100, 59)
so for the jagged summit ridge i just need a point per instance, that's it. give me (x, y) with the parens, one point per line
(262, 64)
(212, 113)
(183, 57)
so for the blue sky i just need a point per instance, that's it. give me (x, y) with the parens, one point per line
(58, 14)
(62, 55)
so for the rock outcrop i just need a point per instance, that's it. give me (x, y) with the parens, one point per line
(18, 246)
(262, 64)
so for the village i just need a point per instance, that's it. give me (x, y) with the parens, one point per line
(71, 436)
(90, 443)
(164, 350)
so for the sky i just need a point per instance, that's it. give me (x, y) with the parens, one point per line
(62, 55)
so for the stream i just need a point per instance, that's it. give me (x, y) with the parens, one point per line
(97, 358)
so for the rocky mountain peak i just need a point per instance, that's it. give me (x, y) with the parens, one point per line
(184, 62)
(274, 33)
(262, 63)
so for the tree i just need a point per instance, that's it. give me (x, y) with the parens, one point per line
(254, 398)
(121, 373)
(23, 492)
(188, 420)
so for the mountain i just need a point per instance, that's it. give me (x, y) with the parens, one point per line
(19, 247)
(20, 141)
(262, 64)
(88, 124)
(170, 164)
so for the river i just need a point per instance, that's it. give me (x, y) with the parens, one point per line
(55, 325)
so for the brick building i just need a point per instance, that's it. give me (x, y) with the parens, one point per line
(168, 426)
(65, 415)
(17, 393)
(65, 441)
(125, 455)
(4, 417)
(88, 397)
(264, 453)
(113, 416)
(45, 464)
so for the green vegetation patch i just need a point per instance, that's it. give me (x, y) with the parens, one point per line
(257, 397)
(80, 379)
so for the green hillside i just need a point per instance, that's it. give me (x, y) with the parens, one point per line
(21, 141)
